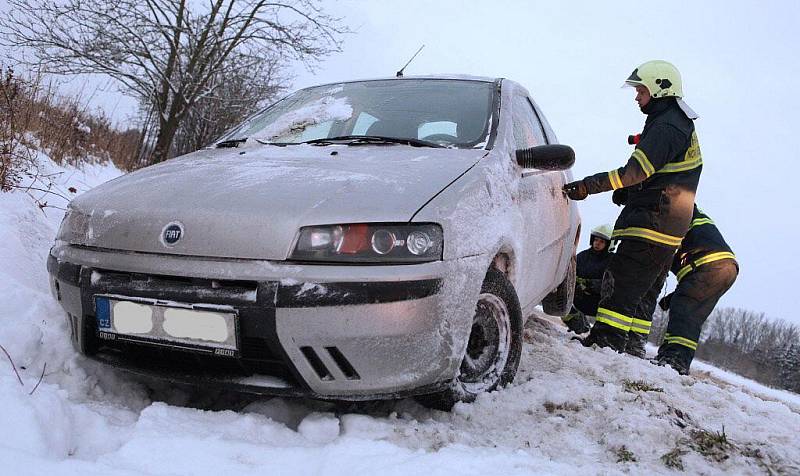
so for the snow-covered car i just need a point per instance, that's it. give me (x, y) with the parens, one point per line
(362, 240)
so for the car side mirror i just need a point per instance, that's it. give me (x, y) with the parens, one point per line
(546, 157)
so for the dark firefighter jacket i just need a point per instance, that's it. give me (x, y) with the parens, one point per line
(591, 265)
(703, 244)
(660, 178)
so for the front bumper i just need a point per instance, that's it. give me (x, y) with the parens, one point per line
(338, 332)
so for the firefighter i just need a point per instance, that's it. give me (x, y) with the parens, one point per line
(706, 268)
(591, 264)
(660, 181)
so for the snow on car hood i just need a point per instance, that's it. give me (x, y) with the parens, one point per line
(250, 202)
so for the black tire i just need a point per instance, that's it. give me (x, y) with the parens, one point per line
(498, 304)
(559, 302)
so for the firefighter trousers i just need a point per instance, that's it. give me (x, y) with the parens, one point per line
(586, 301)
(631, 285)
(694, 299)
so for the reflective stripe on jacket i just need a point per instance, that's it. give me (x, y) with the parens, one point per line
(703, 244)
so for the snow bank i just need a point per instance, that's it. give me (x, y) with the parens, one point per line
(746, 385)
(570, 409)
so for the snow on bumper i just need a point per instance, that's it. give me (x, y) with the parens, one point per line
(344, 332)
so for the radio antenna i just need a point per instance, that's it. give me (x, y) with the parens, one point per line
(400, 73)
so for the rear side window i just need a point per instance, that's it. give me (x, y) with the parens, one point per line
(528, 131)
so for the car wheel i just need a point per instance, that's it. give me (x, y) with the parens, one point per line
(559, 302)
(494, 347)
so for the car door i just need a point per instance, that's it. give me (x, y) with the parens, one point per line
(545, 220)
(560, 210)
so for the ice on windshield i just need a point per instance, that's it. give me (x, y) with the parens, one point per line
(314, 116)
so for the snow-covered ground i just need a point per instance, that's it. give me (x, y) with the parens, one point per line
(570, 409)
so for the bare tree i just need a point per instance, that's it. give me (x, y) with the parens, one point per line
(752, 345)
(168, 54)
(244, 93)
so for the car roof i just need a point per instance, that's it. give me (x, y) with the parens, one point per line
(460, 77)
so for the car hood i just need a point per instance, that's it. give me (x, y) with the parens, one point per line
(250, 202)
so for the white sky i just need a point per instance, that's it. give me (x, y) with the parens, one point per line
(739, 61)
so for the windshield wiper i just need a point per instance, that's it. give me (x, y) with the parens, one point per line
(234, 143)
(231, 143)
(279, 144)
(367, 140)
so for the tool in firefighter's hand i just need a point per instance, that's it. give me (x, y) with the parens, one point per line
(634, 139)
(576, 190)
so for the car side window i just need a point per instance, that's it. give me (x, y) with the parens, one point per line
(528, 131)
(538, 128)
(548, 131)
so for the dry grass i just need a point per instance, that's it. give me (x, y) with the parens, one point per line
(624, 455)
(711, 444)
(34, 118)
(634, 386)
(674, 459)
(561, 407)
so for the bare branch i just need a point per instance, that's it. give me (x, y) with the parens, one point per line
(41, 377)
(13, 366)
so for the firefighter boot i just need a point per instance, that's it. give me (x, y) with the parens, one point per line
(635, 344)
(604, 335)
(676, 356)
(576, 321)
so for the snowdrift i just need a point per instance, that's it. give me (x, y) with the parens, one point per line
(570, 409)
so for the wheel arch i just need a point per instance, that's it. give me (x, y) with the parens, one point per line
(506, 261)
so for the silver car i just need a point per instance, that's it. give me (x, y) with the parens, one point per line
(354, 241)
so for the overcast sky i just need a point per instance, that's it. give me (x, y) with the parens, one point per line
(739, 61)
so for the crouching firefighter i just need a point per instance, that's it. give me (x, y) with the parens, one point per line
(660, 181)
(706, 268)
(591, 264)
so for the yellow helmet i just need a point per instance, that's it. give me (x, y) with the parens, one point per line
(661, 78)
(602, 231)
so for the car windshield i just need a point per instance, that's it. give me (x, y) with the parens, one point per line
(452, 113)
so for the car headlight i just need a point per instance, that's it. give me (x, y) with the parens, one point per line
(74, 227)
(369, 243)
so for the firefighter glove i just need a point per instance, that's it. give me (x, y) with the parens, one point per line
(665, 301)
(576, 190)
(577, 322)
(620, 196)
(593, 286)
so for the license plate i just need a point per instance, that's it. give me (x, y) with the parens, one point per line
(200, 327)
